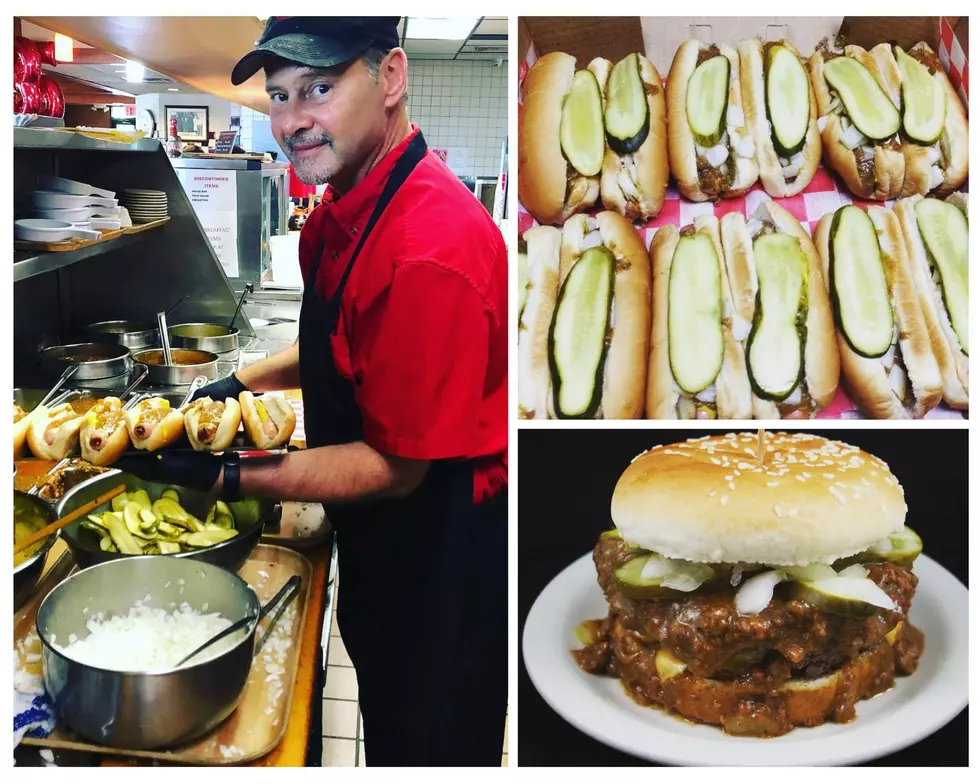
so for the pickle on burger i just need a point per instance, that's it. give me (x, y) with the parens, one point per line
(756, 582)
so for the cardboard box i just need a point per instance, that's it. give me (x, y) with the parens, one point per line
(659, 37)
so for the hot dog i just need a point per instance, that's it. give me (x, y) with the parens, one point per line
(53, 433)
(104, 436)
(22, 422)
(269, 421)
(712, 152)
(153, 424)
(212, 425)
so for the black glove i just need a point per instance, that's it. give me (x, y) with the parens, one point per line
(183, 468)
(222, 388)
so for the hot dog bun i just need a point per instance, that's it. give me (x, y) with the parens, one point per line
(547, 187)
(867, 378)
(104, 436)
(644, 173)
(153, 424)
(21, 426)
(53, 432)
(954, 364)
(269, 421)
(681, 148)
(752, 72)
(212, 425)
(534, 374)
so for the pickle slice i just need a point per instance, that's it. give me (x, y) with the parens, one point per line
(901, 548)
(614, 533)
(523, 277)
(577, 341)
(857, 282)
(694, 332)
(945, 233)
(580, 132)
(866, 103)
(787, 100)
(923, 100)
(627, 115)
(853, 596)
(707, 100)
(655, 577)
(775, 345)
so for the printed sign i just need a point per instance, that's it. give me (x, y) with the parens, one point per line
(214, 195)
(226, 142)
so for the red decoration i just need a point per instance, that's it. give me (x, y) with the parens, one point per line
(18, 101)
(46, 50)
(30, 97)
(173, 127)
(27, 60)
(52, 99)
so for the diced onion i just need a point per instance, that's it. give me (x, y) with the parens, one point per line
(810, 572)
(717, 155)
(656, 566)
(783, 161)
(857, 588)
(626, 185)
(592, 223)
(933, 154)
(868, 151)
(756, 592)
(795, 397)
(744, 146)
(797, 159)
(740, 327)
(853, 138)
(935, 177)
(753, 226)
(790, 172)
(735, 116)
(700, 150)
(688, 579)
(708, 395)
(593, 239)
(822, 122)
(835, 105)
(883, 547)
(854, 570)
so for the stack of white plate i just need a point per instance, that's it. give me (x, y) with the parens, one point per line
(144, 206)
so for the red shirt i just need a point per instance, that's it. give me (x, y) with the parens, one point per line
(422, 333)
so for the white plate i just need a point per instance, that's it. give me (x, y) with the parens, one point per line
(259, 322)
(918, 705)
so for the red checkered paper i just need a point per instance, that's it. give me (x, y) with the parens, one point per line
(825, 194)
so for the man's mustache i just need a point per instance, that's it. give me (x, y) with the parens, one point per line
(292, 142)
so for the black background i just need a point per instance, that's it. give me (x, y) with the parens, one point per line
(565, 482)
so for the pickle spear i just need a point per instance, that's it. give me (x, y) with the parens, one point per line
(581, 132)
(901, 548)
(866, 103)
(923, 100)
(627, 115)
(775, 345)
(577, 343)
(787, 100)
(945, 233)
(694, 332)
(858, 285)
(707, 100)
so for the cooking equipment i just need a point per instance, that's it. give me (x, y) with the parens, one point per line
(75, 188)
(75, 514)
(84, 545)
(134, 335)
(94, 360)
(27, 574)
(141, 710)
(44, 230)
(196, 384)
(216, 338)
(70, 371)
(280, 601)
(248, 290)
(189, 365)
(52, 200)
(164, 338)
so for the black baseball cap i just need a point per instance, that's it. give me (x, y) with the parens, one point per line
(317, 41)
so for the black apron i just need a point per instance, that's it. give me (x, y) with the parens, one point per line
(423, 600)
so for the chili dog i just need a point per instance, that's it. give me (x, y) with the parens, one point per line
(269, 421)
(212, 425)
(104, 436)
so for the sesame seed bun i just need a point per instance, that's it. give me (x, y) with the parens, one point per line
(712, 500)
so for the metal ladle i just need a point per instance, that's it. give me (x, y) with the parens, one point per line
(164, 338)
(69, 372)
(248, 290)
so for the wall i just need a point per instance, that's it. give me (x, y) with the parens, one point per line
(461, 107)
(87, 117)
(219, 110)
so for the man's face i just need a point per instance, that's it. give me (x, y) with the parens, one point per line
(326, 120)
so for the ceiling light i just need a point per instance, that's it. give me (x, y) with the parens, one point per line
(429, 28)
(134, 71)
(173, 90)
(64, 48)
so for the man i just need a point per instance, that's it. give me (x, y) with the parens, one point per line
(402, 361)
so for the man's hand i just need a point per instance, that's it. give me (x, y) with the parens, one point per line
(222, 388)
(183, 468)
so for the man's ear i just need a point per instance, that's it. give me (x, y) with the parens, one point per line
(394, 77)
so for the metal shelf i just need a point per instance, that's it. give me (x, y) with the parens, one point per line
(27, 265)
(51, 139)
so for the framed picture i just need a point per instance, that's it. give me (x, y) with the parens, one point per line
(192, 122)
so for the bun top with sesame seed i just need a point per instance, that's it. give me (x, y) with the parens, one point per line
(761, 498)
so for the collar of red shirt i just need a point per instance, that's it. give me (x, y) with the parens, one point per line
(347, 214)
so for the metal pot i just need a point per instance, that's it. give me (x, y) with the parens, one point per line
(29, 572)
(190, 365)
(134, 335)
(215, 338)
(136, 710)
(94, 360)
(85, 545)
